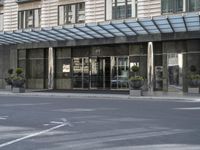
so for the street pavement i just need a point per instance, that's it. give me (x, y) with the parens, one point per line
(66, 123)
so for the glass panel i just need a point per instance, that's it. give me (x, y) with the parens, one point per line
(120, 72)
(85, 73)
(72, 13)
(81, 72)
(80, 13)
(94, 72)
(129, 8)
(37, 14)
(100, 72)
(1, 22)
(114, 83)
(29, 19)
(175, 64)
(21, 20)
(77, 72)
(61, 15)
(179, 6)
(194, 5)
(121, 9)
(172, 6)
(123, 72)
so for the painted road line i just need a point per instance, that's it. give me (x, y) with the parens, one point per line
(3, 117)
(34, 134)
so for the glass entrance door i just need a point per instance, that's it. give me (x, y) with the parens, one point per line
(100, 72)
(81, 72)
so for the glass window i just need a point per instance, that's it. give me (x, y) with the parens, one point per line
(120, 72)
(172, 6)
(193, 5)
(120, 9)
(29, 18)
(1, 22)
(72, 13)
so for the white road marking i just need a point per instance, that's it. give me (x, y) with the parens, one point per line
(35, 134)
(189, 108)
(3, 117)
(56, 122)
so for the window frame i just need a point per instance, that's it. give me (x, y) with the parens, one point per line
(2, 23)
(188, 6)
(133, 8)
(76, 13)
(174, 4)
(24, 20)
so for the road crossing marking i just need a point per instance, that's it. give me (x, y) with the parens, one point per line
(62, 124)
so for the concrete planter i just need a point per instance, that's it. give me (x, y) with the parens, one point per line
(135, 92)
(193, 90)
(8, 88)
(18, 90)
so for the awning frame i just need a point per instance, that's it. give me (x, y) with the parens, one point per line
(176, 23)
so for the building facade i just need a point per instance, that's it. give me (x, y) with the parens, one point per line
(91, 44)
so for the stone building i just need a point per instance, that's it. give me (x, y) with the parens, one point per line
(91, 44)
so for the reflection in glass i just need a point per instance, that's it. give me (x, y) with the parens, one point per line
(193, 5)
(175, 62)
(80, 72)
(120, 72)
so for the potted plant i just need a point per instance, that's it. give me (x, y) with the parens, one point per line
(135, 82)
(194, 80)
(18, 81)
(8, 80)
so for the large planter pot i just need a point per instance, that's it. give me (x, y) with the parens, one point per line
(193, 90)
(194, 83)
(8, 81)
(18, 83)
(8, 88)
(135, 92)
(18, 90)
(135, 84)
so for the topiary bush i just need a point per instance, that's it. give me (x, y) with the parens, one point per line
(19, 71)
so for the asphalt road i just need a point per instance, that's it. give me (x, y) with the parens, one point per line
(34, 123)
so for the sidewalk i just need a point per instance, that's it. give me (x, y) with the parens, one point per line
(156, 96)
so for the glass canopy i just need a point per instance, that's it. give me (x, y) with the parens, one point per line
(108, 29)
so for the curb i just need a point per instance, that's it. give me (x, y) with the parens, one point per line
(102, 96)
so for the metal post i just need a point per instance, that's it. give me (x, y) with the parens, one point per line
(150, 67)
(51, 68)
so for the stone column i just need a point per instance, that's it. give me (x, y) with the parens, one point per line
(51, 68)
(150, 67)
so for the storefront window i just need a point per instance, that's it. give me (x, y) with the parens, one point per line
(120, 72)
(193, 5)
(81, 72)
(175, 66)
(72, 13)
(172, 6)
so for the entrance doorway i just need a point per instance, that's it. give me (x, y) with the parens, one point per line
(100, 72)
